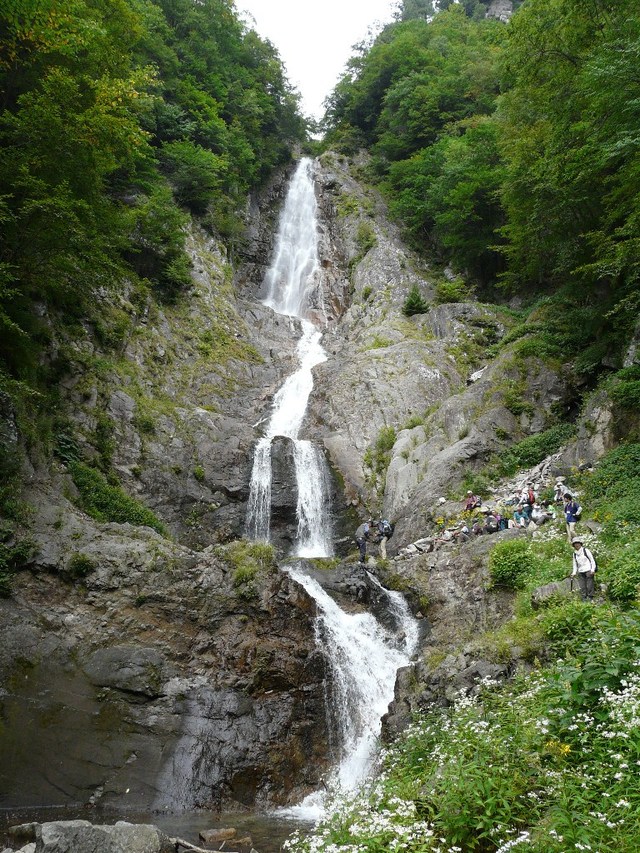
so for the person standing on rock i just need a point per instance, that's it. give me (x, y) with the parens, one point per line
(385, 530)
(364, 534)
(572, 511)
(584, 567)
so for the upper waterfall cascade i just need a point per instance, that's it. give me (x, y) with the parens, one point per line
(293, 287)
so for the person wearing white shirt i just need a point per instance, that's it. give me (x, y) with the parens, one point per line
(584, 567)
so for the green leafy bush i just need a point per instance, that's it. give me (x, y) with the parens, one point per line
(79, 566)
(509, 563)
(250, 561)
(623, 576)
(365, 237)
(106, 502)
(13, 557)
(616, 474)
(453, 291)
(534, 448)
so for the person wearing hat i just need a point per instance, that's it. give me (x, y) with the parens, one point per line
(584, 567)
(559, 489)
(471, 501)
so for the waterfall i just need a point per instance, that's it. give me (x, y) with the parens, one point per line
(293, 288)
(364, 658)
(363, 655)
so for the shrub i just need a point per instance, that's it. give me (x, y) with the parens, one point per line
(12, 558)
(626, 394)
(534, 448)
(616, 473)
(106, 502)
(624, 574)
(453, 291)
(79, 566)
(509, 564)
(415, 302)
(249, 560)
(198, 473)
(365, 237)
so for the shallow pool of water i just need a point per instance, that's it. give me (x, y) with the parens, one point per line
(268, 832)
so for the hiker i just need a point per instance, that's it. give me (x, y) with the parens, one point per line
(542, 512)
(584, 566)
(491, 522)
(559, 489)
(471, 501)
(365, 533)
(528, 499)
(520, 517)
(384, 529)
(572, 511)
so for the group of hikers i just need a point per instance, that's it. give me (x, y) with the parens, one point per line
(521, 510)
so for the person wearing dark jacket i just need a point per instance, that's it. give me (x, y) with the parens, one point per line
(572, 510)
(364, 534)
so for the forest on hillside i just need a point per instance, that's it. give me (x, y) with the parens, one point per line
(512, 152)
(117, 119)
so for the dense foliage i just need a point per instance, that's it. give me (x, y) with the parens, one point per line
(512, 151)
(113, 117)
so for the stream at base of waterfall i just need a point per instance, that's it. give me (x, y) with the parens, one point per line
(363, 656)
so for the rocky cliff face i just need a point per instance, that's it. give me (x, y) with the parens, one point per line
(159, 680)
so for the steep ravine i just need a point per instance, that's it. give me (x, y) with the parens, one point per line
(159, 679)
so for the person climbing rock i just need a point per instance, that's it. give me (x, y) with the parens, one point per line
(365, 533)
(584, 567)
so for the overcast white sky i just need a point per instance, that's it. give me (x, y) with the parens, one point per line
(314, 39)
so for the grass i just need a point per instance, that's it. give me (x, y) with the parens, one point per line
(251, 562)
(106, 502)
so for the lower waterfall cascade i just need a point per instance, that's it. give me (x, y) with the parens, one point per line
(364, 658)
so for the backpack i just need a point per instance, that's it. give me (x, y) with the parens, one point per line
(595, 562)
(386, 528)
(531, 498)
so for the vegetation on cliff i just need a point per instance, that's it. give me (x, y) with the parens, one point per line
(117, 121)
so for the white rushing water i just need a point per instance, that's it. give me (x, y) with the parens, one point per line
(293, 285)
(364, 658)
(292, 279)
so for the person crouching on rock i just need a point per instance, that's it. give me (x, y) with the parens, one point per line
(364, 534)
